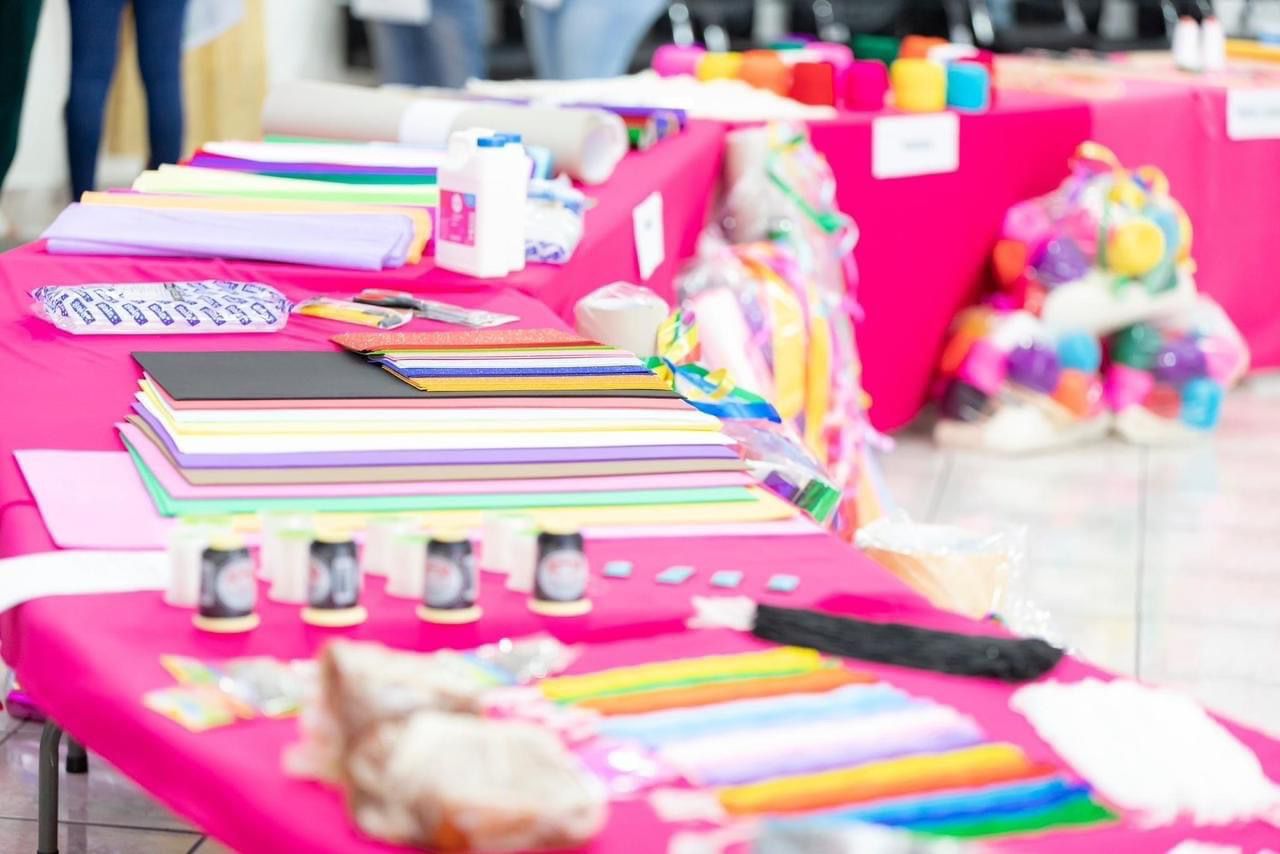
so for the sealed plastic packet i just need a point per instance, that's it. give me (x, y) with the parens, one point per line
(162, 307)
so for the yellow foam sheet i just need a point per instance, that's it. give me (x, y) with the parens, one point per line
(418, 216)
(764, 507)
(557, 383)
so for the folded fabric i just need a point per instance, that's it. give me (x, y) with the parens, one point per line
(814, 682)
(191, 180)
(356, 241)
(316, 171)
(420, 217)
(335, 153)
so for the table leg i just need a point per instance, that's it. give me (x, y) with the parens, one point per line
(47, 827)
(77, 759)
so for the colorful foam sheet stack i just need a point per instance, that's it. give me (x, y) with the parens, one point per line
(358, 206)
(789, 732)
(240, 433)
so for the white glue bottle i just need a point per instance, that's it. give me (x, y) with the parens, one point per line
(521, 167)
(470, 219)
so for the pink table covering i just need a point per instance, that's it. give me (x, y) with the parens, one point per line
(88, 659)
(926, 239)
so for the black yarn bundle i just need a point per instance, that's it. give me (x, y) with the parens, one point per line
(1009, 659)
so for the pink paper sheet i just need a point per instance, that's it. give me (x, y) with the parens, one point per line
(177, 487)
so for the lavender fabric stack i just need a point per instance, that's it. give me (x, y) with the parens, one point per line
(358, 241)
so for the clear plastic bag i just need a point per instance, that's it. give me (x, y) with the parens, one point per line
(162, 308)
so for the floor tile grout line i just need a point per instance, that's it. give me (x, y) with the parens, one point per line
(1144, 474)
(940, 487)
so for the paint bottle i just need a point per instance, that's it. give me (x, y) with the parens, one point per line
(228, 589)
(470, 219)
(560, 575)
(450, 587)
(333, 589)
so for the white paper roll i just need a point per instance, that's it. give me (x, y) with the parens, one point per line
(186, 546)
(292, 569)
(379, 542)
(407, 569)
(522, 547)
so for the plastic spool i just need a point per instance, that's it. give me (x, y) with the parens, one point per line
(763, 69)
(670, 60)
(968, 86)
(719, 66)
(408, 567)
(919, 85)
(186, 545)
(865, 85)
(814, 83)
(292, 571)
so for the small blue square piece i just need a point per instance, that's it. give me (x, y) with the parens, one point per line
(726, 578)
(617, 569)
(783, 583)
(674, 575)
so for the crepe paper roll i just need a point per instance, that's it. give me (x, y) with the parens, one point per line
(307, 108)
(984, 368)
(660, 674)
(879, 48)
(917, 47)
(407, 564)
(719, 65)
(748, 756)
(763, 69)
(919, 85)
(965, 805)
(1079, 392)
(968, 86)
(657, 728)
(818, 681)
(968, 767)
(840, 56)
(1075, 811)
(522, 552)
(813, 83)
(670, 60)
(865, 85)
(1202, 403)
(1126, 386)
(1163, 400)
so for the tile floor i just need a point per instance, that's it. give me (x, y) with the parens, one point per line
(1160, 563)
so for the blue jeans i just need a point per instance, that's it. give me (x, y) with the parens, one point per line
(588, 38)
(95, 32)
(445, 51)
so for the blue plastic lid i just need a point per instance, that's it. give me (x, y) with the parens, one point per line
(490, 142)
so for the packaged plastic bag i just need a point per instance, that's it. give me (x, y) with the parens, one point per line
(162, 307)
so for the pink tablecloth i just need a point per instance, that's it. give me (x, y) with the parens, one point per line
(926, 240)
(88, 659)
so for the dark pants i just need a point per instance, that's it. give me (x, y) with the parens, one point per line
(95, 32)
(18, 19)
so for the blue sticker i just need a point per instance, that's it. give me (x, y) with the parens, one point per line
(617, 569)
(726, 578)
(783, 583)
(674, 575)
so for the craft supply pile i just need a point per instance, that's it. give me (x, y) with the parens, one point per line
(492, 469)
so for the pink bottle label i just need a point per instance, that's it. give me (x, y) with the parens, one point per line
(457, 217)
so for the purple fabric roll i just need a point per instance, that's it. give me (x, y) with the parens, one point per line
(237, 164)
(372, 241)
(427, 458)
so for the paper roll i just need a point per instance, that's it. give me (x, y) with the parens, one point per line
(407, 568)
(585, 143)
(622, 315)
(334, 111)
(380, 540)
(292, 569)
(186, 546)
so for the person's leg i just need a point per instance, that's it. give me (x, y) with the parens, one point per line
(159, 26)
(453, 48)
(540, 29)
(598, 38)
(397, 53)
(16, 38)
(95, 31)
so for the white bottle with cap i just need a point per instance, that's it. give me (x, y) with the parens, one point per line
(470, 217)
